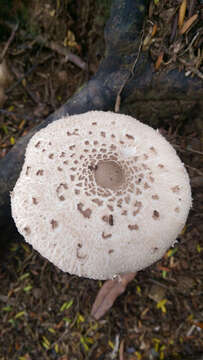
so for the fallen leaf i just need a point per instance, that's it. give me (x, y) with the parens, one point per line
(188, 23)
(182, 11)
(154, 30)
(109, 293)
(159, 61)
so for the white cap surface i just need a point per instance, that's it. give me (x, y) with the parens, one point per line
(101, 194)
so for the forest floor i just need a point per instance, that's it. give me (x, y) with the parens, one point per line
(45, 313)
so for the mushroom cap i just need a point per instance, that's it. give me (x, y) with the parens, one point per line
(101, 194)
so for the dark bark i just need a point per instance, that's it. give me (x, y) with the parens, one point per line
(119, 70)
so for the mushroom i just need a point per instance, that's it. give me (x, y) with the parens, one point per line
(101, 194)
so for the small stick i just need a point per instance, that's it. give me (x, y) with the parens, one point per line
(33, 98)
(12, 114)
(118, 97)
(191, 7)
(19, 80)
(174, 28)
(191, 68)
(111, 220)
(68, 55)
(75, 59)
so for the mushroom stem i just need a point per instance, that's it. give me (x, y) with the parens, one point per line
(109, 293)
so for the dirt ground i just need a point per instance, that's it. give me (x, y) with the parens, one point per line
(44, 313)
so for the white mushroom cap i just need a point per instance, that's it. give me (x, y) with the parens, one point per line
(101, 194)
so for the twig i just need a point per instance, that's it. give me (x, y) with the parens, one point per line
(191, 8)
(190, 44)
(93, 347)
(60, 337)
(118, 97)
(156, 282)
(174, 28)
(191, 68)
(75, 59)
(9, 42)
(33, 98)
(28, 73)
(178, 147)
(35, 338)
(194, 151)
(121, 350)
(11, 113)
(115, 350)
(194, 169)
(69, 56)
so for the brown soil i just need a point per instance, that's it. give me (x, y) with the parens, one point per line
(44, 313)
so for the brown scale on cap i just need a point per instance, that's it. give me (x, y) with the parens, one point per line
(40, 172)
(63, 154)
(54, 224)
(133, 227)
(155, 197)
(35, 201)
(176, 189)
(153, 150)
(37, 144)
(146, 185)
(86, 213)
(106, 236)
(28, 168)
(156, 215)
(60, 191)
(130, 137)
(98, 202)
(111, 221)
(72, 133)
(78, 252)
(27, 230)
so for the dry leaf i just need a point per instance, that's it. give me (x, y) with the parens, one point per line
(182, 11)
(109, 293)
(154, 30)
(159, 61)
(188, 23)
